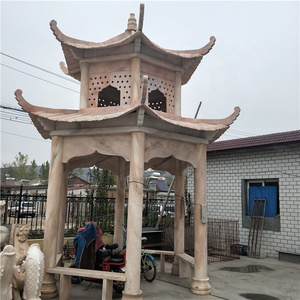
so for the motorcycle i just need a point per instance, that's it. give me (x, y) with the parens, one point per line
(93, 254)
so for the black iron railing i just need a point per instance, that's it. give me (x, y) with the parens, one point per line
(31, 209)
(222, 235)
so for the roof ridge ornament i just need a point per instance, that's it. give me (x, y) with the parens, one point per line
(131, 25)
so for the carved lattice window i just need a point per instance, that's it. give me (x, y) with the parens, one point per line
(109, 96)
(157, 101)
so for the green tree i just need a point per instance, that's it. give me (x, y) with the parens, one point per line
(102, 179)
(44, 172)
(32, 170)
(20, 166)
(7, 169)
(94, 175)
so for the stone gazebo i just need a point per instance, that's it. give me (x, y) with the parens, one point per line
(129, 120)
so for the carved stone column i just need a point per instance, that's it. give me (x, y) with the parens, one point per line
(177, 93)
(63, 211)
(179, 216)
(135, 80)
(135, 212)
(84, 88)
(56, 176)
(200, 284)
(120, 204)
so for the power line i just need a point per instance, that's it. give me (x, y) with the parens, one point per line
(39, 68)
(228, 133)
(15, 115)
(9, 117)
(23, 136)
(40, 78)
(12, 108)
(240, 132)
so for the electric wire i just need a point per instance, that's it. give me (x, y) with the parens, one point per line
(23, 136)
(9, 117)
(228, 133)
(234, 133)
(39, 78)
(39, 68)
(15, 115)
(12, 108)
(190, 173)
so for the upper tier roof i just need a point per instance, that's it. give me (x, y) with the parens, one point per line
(133, 43)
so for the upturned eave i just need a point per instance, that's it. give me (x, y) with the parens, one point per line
(132, 117)
(76, 50)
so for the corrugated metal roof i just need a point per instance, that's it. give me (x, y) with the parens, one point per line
(256, 141)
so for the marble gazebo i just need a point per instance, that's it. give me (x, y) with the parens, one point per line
(129, 119)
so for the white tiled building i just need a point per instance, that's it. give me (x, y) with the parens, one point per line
(269, 162)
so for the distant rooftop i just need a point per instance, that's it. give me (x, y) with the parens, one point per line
(256, 141)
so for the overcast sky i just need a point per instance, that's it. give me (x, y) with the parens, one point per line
(254, 63)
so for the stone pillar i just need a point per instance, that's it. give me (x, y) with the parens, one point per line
(135, 213)
(53, 207)
(84, 88)
(120, 204)
(200, 284)
(135, 80)
(179, 216)
(63, 211)
(177, 93)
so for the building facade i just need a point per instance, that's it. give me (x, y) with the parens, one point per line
(267, 167)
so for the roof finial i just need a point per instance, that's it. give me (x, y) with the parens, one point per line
(141, 18)
(131, 25)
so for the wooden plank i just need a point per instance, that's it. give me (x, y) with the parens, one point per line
(65, 282)
(107, 289)
(187, 258)
(154, 251)
(162, 254)
(88, 273)
(59, 259)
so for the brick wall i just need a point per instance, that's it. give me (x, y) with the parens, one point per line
(225, 172)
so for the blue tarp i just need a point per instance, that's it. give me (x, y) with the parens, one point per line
(264, 192)
(82, 239)
(162, 185)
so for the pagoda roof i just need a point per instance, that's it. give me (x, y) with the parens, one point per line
(76, 50)
(124, 119)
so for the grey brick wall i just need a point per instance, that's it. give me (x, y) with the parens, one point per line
(225, 172)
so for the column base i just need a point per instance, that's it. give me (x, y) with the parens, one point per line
(175, 268)
(135, 296)
(49, 290)
(200, 286)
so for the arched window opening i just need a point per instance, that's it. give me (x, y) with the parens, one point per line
(157, 101)
(109, 96)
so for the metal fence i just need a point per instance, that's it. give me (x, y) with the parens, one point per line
(222, 239)
(31, 209)
(223, 235)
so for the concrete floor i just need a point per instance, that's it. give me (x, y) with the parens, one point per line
(244, 278)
